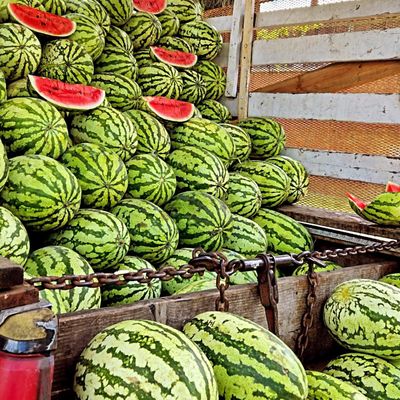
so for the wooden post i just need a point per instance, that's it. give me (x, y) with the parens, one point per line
(245, 62)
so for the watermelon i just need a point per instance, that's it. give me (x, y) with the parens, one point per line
(143, 360)
(297, 174)
(3, 87)
(93, 10)
(120, 11)
(122, 92)
(67, 95)
(144, 30)
(329, 266)
(186, 10)
(214, 111)
(249, 361)
(159, 79)
(175, 58)
(154, 235)
(101, 174)
(203, 220)
(41, 192)
(66, 61)
(267, 136)
(374, 377)
(285, 235)
(214, 78)
(58, 261)
(199, 169)
(150, 178)
(197, 286)
(169, 109)
(20, 51)
(143, 57)
(5, 15)
(14, 240)
(239, 277)
(206, 135)
(175, 43)
(272, 181)
(152, 136)
(392, 187)
(41, 21)
(205, 39)
(392, 279)
(117, 38)
(242, 141)
(4, 166)
(97, 235)
(152, 7)
(57, 7)
(169, 23)
(106, 126)
(194, 88)
(18, 88)
(243, 195)
(325, 387)
(178, 259)
(354, 316)
(32, 126)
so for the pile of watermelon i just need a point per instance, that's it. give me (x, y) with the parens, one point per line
(116, 154)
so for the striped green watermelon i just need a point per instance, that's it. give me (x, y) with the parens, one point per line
(58, 261)
(131, 292)
(247, 237)
(4, 166)
(214, 77)
(249, 361)
(295, 170)
(356, 319)
(242, 141)
(18, 88)
(175, 43)
(88, 34)
(186, 10)
(4, 13)
(144, 29)
(20, 51)
(122, 92)
(143, 57)
(325, 387)
(392, 279)
(92, 9)
(97, 235)
(206, 135)
(329, 266)
(41, 192)
(267, 136)
(3, 87)
(203, 220)
(14, 240)
(143, 360)
(194, 88)
(169, 23)
(154, 235)
(285, 235)
(214, 111)
(243, 195)
(239, 277)
(58, 7)
(32, 126)
(150, 178)
(197, 286)
(159, 79)
(66, 61)
(120, 11)
(272, 181)
(198, 169)
(106, 126)
(118, 38)
(374, 377)
(101, 174)
(178, 259)
(152, 136)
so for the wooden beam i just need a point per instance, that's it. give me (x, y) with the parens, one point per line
(334, 77)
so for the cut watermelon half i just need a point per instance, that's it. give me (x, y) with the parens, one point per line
(176, 58)
(169, 109)
(67, 95)
(357, 202)
(150, 6)
(392, 187)
(41, 21)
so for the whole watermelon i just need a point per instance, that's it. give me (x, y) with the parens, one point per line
(3, 87)
(242, 141)
(169, 23)
(186, 10)
(4, 166)
(119, 11)
(213, 76)
(194, 87)
(118, 38)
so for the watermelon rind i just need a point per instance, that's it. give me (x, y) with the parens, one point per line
(175, 58)
(392, 279)
(57, 7)
(214, 111)
(169, 23)
(194, 88)
(303, 269)
(214, 78)
(116, 37)
(119, 11)
(175, 43)
(3, 87)
(4, 166)
(186, 10)
(242, 142)
(197, 286)
(18, 88)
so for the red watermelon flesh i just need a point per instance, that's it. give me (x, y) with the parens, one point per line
(176, 58)
(67, 95)
(357, 202)
(169, 109)
(392, 187)
(41, 21)
(150, 6)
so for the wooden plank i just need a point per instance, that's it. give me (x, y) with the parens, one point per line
(356, 167)
(336, 47)
(360, 107)
(232, 73)
(222, 24)
(334, 78)
(11, 274)
(19, 295)
(223, 56)
(328, 12)
(246, 59)
(339, 220)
